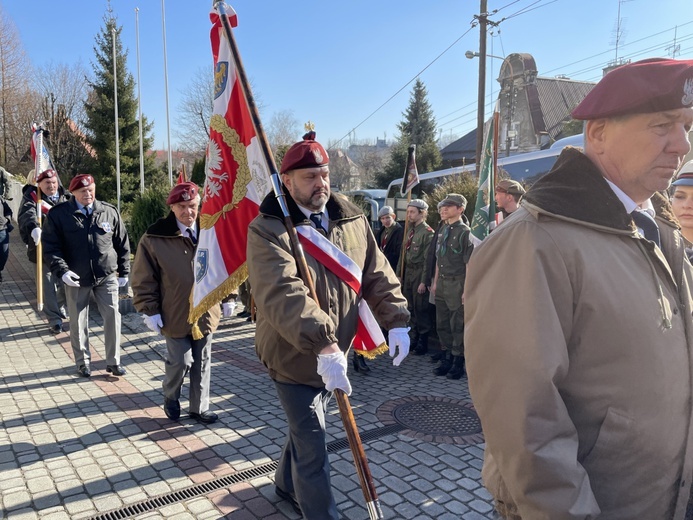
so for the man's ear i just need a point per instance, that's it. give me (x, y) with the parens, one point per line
(286, 180)
(595, 134)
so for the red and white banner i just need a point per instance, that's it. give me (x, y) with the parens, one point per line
(368, 338)
(237, 179)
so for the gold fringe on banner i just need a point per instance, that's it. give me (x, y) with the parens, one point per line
(372, 354)
(215, 297)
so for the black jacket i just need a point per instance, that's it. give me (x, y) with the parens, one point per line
(393, 248)
(28, 219)
(93, 247)
(5, 216)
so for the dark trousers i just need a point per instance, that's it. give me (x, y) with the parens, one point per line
(4, 247)
(304, 466)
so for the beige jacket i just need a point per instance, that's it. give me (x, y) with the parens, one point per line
(579, 353)
(291, 327)
(162, 278)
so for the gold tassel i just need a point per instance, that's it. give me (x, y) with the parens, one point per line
(372, 354)
(196, 332)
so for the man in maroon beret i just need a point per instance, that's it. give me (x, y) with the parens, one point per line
(162, 278)
(579, 330)
(86, 245)
(301, 342)
(52, 194)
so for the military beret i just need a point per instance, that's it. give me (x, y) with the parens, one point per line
(453, 199)
(81, 181)
(46, 174)
(385, 211)
(510, 186)
(685, 175)
(307, 153)
(418, 203)
(183, 192)
(651, 85)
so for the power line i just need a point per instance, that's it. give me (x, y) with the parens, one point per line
(403, 87)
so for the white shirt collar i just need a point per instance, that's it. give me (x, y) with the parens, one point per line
(184, 229)
(308, 212)
(629, 203)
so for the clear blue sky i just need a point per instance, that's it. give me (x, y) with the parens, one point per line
(336, 62)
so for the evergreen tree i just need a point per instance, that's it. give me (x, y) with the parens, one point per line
(100, 121)
(418, 127)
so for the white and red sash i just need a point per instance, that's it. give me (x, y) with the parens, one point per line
(368, 340)
(45, 207)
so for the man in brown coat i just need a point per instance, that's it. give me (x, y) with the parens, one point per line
(162, 278)
(579, 335)
(303, 342)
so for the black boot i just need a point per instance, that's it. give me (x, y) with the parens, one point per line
(360, 364)
(457, 371)
(438, 356)
(445, 364)
(421, 347)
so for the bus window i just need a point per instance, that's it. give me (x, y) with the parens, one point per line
(531, 170)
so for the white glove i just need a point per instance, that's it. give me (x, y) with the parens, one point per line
(36, 235)
(154, 323)
(122, 282)
(71, 279)
(398, 338)
(227, 309)
(333, 370)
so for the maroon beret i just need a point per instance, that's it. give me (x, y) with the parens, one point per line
(81, 181)
(305, 154)
(183, 192)
(46, 174)
(652, 85)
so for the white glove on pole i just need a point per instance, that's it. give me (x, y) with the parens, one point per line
(71, 279)
(36, 235)
(227, 309)
(398, 338)
(154, 323)
(333, 370)
(122, 281)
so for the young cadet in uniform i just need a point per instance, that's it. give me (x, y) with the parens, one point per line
(86, 245)
(303, 343)
(419, 237)
(507, 195)
(453, 250)
(162, 278)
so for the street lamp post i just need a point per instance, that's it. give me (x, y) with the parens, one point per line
(471, 55)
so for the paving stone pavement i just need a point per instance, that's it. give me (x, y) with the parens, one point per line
(75, 448)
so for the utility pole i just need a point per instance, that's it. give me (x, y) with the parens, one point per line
(483, 21)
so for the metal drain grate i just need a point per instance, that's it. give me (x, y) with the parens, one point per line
(438, 418)
(152, 504)
(196, 490)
